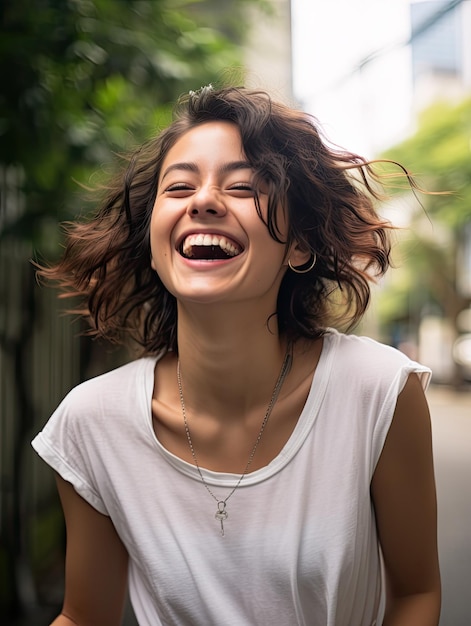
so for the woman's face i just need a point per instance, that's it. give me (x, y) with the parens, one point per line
(208, 243)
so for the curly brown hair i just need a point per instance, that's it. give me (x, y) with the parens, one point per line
(328, 194)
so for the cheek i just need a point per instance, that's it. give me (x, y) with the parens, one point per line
(159, 225)
(160, 266)
(156, 240)
(152, 241)
(158, 256)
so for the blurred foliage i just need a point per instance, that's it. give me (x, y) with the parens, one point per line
(82, 80)
(439, 157)
(85, 78)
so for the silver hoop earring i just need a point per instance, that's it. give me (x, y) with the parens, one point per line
(297, 269)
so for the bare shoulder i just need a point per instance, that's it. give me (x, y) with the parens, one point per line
(408, 445)
(410, 430)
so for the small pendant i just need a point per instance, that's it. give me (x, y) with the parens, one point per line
(221, 515)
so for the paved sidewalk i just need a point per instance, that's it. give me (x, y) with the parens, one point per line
(447, 393)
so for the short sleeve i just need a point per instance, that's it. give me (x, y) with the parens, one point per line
(64, 448)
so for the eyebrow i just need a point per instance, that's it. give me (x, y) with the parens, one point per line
(225, 168)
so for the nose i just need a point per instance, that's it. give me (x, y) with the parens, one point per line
(206, 202)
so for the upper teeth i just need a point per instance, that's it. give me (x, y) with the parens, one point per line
(202, 239)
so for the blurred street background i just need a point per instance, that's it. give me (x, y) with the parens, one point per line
(451, 421)
(86, 80)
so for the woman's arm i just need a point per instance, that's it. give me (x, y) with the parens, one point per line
(95, 566)
(403, 491)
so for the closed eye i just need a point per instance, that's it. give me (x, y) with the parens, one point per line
(179, 187)
(243, 187)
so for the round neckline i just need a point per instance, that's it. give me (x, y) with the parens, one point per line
(304, 424)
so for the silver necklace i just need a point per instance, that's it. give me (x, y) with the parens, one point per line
(221, 511)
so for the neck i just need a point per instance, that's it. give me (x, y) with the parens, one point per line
(229, 363)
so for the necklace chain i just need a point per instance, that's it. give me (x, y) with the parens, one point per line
(221, 512)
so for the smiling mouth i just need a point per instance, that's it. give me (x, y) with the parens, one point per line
(209, 247)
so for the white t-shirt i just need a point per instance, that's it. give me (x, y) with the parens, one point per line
(300, 544)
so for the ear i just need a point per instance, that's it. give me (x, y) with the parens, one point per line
(298, 255)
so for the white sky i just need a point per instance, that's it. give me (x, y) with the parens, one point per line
(364, 111)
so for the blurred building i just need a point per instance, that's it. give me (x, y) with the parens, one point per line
(440, 50)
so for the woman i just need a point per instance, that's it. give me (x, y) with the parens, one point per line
(255, 466)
